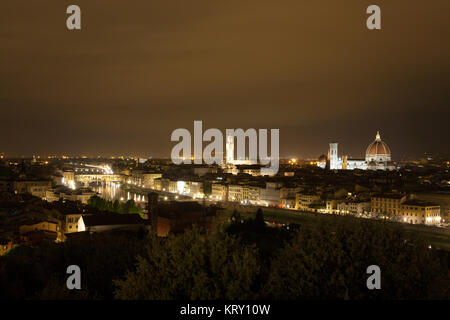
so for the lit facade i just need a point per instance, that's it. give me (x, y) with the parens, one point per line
(378, 157)
(304, 201)
(422, 212)
(219, 192)
(388, 205)
(354, 208)
(71, 223)
(35, 188)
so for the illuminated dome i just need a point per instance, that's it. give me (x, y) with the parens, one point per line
(378, 151)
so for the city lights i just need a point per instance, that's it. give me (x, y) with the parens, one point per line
(225, 159)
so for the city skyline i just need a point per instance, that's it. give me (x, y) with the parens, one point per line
(215, 158)
(149, 155)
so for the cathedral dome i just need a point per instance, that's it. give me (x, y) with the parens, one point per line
(378, 147)
(378, 150)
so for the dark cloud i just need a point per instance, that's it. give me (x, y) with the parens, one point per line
(138, 70)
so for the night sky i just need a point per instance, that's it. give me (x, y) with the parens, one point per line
(139, 69)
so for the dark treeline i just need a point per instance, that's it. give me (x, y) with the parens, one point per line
(240, 260)
(114, 206)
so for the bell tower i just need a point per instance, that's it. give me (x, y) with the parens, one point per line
(152, 205)
(333, 156)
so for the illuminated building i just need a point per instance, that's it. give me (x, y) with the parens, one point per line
(194, 189)
(230, 155)
(148, 179)
(142, 179)
(236, 193)
(219, 192)
(378, 157)
(332, 206)
(61, 192)
(34, 187)
(399, 208)
(419, 211)
(157, 184)
(230, 150)
(244, 193)
(441, 197)
(303, 201)
(41, 231)
(68, 176)
(71, 222)
(387, 204)
(287, 197)
(167, 185)
(271, 194)
(353, 207)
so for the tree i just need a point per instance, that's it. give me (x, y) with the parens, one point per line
(329, 261)
(117, 207)
(94, 201)
(259, 219)
(105, 205)
(207, 188)
(193, 266)
(40, 272)
(236, 217)
(131, 207)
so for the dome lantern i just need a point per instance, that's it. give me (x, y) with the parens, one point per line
(378, 150)
(378, 137)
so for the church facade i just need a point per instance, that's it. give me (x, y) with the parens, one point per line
(378, 157)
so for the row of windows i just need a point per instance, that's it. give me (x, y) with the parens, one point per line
(413, 208)
(406, 207)
(385, 205)
(384, 199)
(398, 212)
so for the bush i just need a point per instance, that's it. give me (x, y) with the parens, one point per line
(331, 261)
(192, 266)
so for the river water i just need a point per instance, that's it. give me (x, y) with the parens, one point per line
(113, 191)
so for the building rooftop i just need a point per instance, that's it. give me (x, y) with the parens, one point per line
(420, 203)
(183, 210)
(178, 208)
(104, 219)
(378, 147)
(388, 195)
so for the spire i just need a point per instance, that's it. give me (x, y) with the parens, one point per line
(378, 137)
